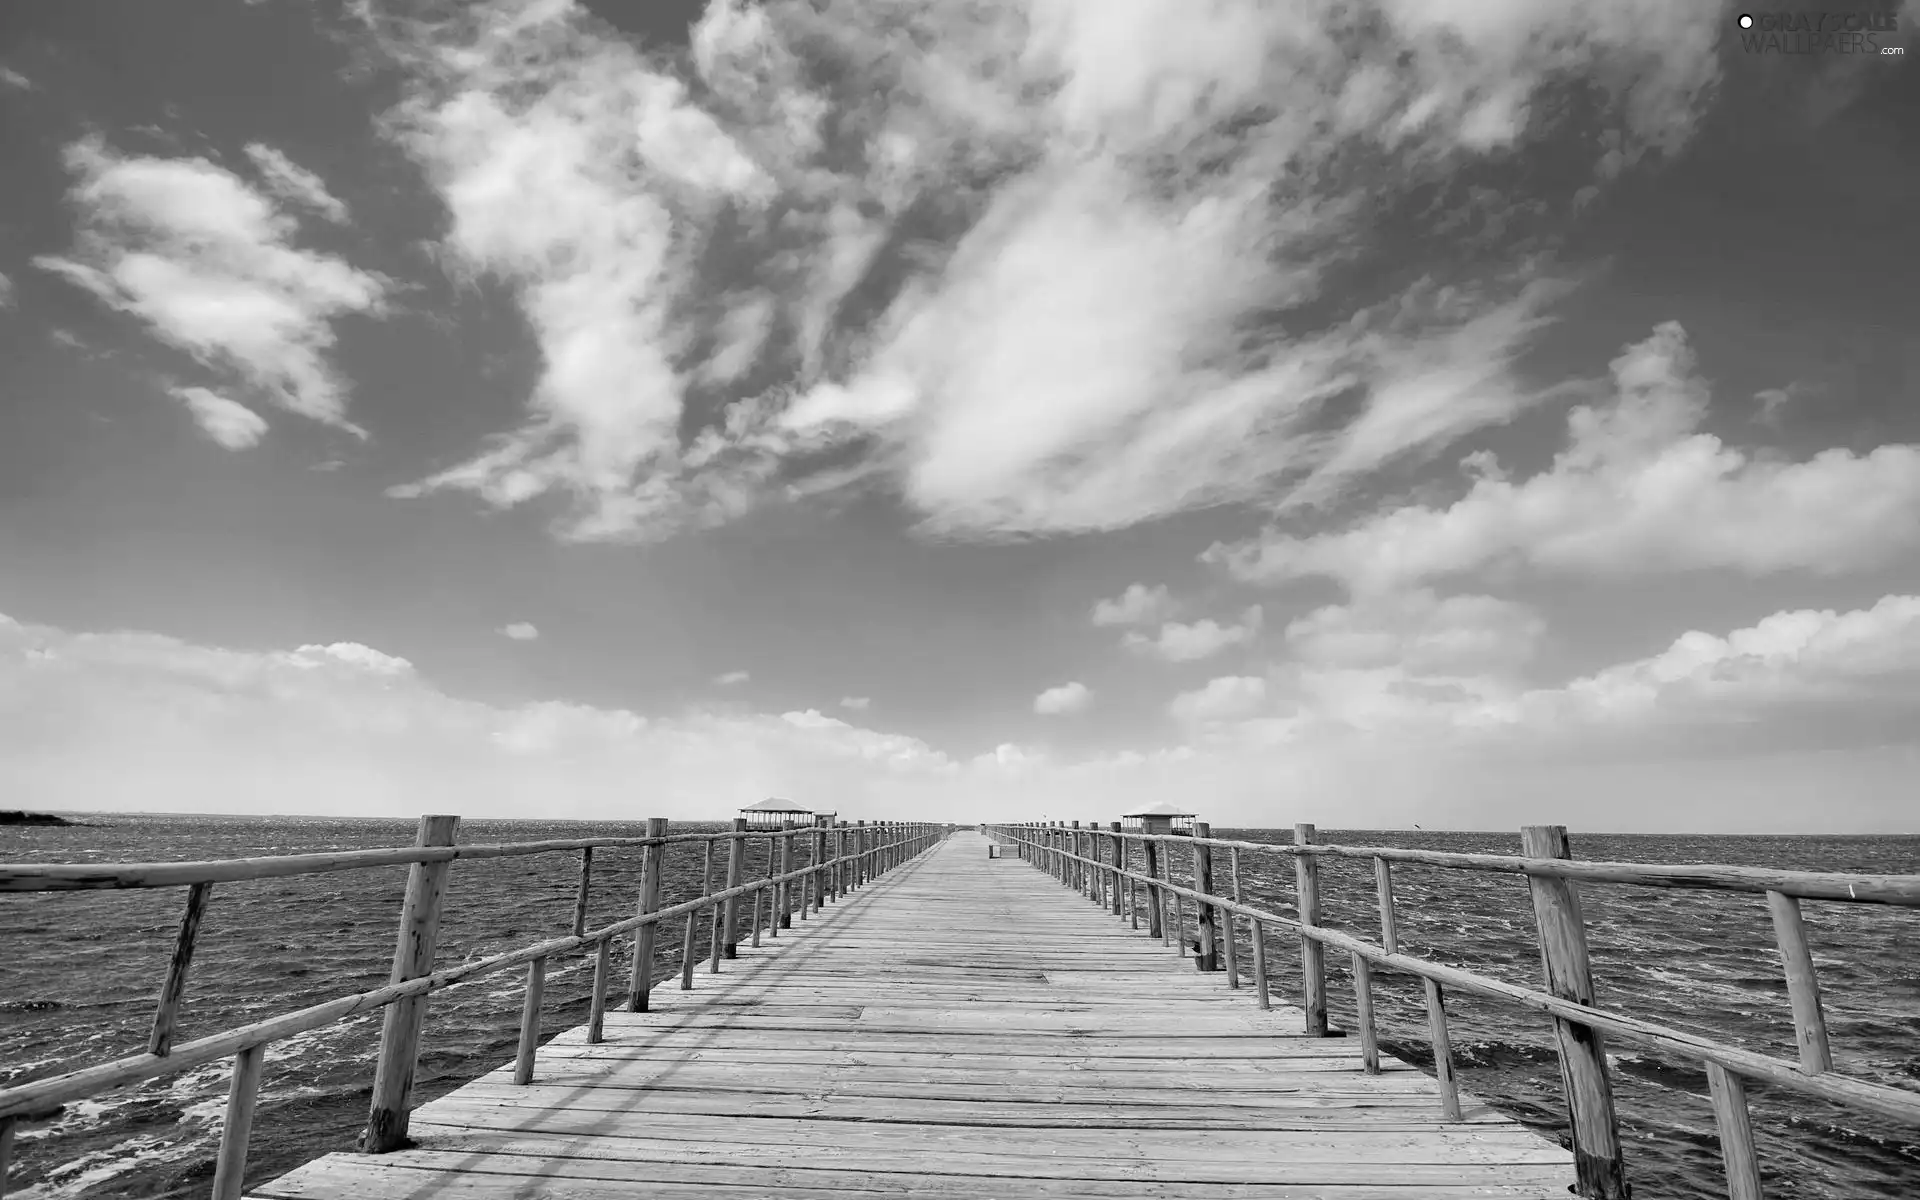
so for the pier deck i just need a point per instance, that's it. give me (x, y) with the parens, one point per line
(961, 1027)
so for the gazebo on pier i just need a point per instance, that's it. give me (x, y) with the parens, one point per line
(774, 813)
(1159, 818)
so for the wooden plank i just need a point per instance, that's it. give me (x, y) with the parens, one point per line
(1035, 1047)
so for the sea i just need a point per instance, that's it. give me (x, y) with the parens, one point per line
(79, 972)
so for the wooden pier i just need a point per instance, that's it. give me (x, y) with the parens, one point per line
(1012, 1012)
(964, 1027)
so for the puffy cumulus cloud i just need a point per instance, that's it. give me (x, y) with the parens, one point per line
(1036, 266)
(210, 265)
(1229, 697)
(1638, 488)
(1138, 605)
(1859, 665)
(1066, 698)
(520, 631)
(856, 703)
(1179, 642)
(129, 721)
(228, 422)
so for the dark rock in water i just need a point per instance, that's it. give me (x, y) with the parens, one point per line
(16, 817)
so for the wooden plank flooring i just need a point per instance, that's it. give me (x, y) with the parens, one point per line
(964, 1027)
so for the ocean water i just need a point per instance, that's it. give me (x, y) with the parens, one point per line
(80, 971)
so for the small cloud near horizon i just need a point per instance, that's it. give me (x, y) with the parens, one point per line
(520, 631)
(1067, 698)
(856, 703)
(732, 677)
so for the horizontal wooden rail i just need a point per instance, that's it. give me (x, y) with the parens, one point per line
(881, 846)
(72, 877)
(1728, 1066)
(1898, 890)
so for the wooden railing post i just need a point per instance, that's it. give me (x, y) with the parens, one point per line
(1598, 1170)
(1156, 903)
(653, 869)
(1735, 1124)
(1313, 966)
(736, 865)
(786, 868)
(1803, 986)
(1113, 836)
(597, 1004)
(1442, 1051)
(1363, 1008)
(859, 854)
(693, 919)
(530, 1021)
(167, 1011)
(230, 1166)
(1206, 950)
(1097, 877)
(580, 896)
(412, 958)
(820, 867)
(1258, 937)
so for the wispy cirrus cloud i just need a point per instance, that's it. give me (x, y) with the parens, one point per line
(295, 184)
(732, 678)
(1036, 268)
(210, 265)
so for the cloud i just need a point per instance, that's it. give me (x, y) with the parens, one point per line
(731, 678)
(227, 422)
(1036, 269)
(1746, 725)
(1227, 698)
(1138, 605)
(6, 291)
(294, 183)
(856, 703)
(14, 79)
(1637, 489)
(1177, 642)
(520, 631)
(209, 264)
(1420, 632)
(1066, 698)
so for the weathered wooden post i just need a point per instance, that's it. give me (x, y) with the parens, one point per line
(653, 869)
(1735, 1124)
(1443, 1052)
(243, 1089)
(167, 1011)
(736, 867)
(1598, 1170)
(1803, 986)
(820, 867)
(693, 917)
(786, 868)
(530, 1021)
(412, 957)
(1156, 903)
(860, 854)
(1119, 864)
(1097, 874)
(1206, 948)
(597, 1004)
(1258, 938)
(1313, 967)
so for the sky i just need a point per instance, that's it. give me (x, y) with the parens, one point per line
(1469, 413)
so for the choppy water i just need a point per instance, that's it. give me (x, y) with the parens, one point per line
(80, 970)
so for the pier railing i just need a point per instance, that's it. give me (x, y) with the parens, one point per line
(1100, 862)
(838, 857)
